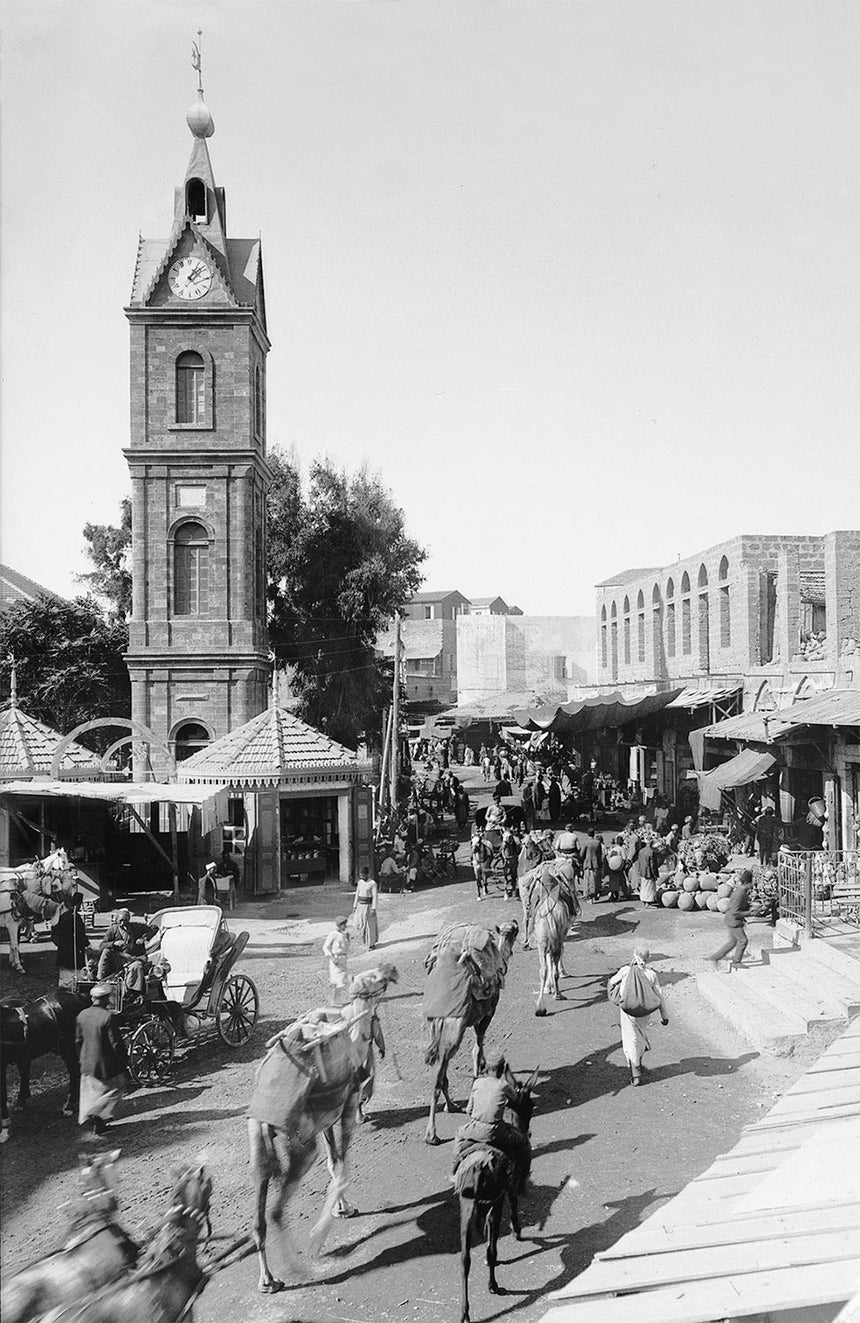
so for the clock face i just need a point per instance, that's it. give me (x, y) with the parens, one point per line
(190, 278)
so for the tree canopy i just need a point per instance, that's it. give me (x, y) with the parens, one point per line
(340, 565)
(69, 660)
(108, 547)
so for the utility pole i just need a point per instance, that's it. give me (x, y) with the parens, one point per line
(395, 717)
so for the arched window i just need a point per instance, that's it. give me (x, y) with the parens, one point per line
(686, 617)
(195, 199)
(190, 388)
(640, 626)
(670, 588)
(657, 643)
(190, 737)
(258, 401)
(191, 570)
(670, 618)
(626, 631)
(685, 582)
(703, 577)
(604, 641)
(613, 631)
(725, 606)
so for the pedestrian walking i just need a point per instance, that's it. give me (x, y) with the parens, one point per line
(103, 1061)
(646, 869)
(591, 860)
(736, 941)
(207, 891)
(336, 951)
(461, 809)
(765, 831)
(480, 855)
(638, 995)
(364, 910)
(553, 798)
(616, 877)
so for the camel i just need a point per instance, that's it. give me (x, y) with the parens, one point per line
(454, 976)
(554, 903)
(311, 1079)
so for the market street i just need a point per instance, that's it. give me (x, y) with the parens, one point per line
(605, 1154)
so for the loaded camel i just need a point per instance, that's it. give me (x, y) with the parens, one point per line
(313, 1077)
(551, 904)
(465, 976)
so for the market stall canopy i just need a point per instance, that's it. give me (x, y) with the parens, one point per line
(210, 800)
(834, 708)
(503, 707)
(747, 766)
(592, 713)
(27, 748)
(271, 749)
(696, 698)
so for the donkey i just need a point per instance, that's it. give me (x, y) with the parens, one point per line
(484, 1178)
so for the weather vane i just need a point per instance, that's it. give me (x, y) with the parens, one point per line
(197, 59)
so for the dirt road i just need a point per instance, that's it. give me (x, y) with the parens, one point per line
(606, 1154)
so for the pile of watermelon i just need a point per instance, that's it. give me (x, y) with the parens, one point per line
(697, 891)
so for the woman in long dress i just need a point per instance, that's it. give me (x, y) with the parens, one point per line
(364, 909)
(634, 1028)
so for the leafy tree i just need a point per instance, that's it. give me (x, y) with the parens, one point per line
(340, 564)
(109, 547)
(69, 661)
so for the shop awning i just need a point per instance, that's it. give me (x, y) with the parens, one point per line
(747, 766)
(211, 800)
(696, 698)
(505, 706)
(835, 708)
(592, 713)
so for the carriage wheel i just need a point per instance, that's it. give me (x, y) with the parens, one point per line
(238, 1008)
(150, 1052)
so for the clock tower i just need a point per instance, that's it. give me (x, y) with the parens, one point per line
(198, 646)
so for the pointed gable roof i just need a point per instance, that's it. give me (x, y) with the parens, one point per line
(270, 749)
(27, 748)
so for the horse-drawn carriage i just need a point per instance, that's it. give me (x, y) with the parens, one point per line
(192, 986)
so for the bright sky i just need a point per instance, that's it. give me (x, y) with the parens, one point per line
(579, 277)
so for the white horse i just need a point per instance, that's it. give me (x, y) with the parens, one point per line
(26, 897)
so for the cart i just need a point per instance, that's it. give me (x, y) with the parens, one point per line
(199, 991)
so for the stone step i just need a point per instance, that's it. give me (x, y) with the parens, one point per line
(801, 966)
(806, 1008)
(844, 959)
(762, 1024)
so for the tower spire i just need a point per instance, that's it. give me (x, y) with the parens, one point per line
(197, 59)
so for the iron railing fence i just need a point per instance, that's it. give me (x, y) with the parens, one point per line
(818, 888)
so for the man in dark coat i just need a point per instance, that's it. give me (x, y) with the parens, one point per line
(103, 1061)
(591, 859)
(70, 938)
(553, 796)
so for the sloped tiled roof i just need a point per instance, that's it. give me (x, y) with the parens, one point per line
(436, 597)
(243, 256)
(27, 748)
(268, 749)
(15, 587)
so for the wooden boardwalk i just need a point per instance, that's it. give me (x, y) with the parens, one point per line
(772, 1226)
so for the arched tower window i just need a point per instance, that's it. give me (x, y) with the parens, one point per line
(703, 577)
(725, 606)
(626, 631)
(640, 626)
(190, 737)
(191, 570)
(670, 618)
(195, 200)
(604, 640)
(191, 388)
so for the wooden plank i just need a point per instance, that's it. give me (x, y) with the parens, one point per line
(835, 1061)
(740, 1165)
(715, 1261)
(793, 1222)
(815, 1081)
(736, 1297)
(825, 1167)
(808, 1118)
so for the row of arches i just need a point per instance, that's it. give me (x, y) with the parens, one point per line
(667, 637)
